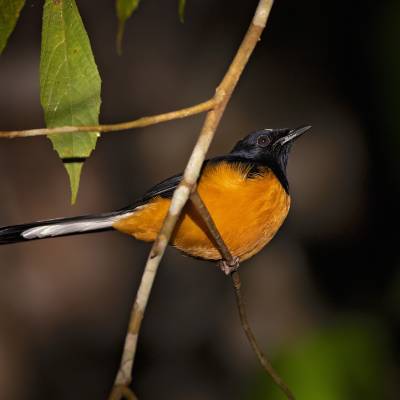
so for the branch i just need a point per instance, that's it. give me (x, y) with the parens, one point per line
(233, 262)
(122, 126)
(190, 176)
(265, 363)
(122, 392)
(205, 215)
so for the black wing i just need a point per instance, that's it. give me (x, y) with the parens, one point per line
(164, 189)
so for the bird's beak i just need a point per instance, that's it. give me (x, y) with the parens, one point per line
(293, 135)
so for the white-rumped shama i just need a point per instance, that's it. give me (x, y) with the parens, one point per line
(246, 193)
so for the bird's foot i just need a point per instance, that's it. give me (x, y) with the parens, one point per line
(228, 268)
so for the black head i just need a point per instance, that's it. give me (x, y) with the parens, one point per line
(270, 148)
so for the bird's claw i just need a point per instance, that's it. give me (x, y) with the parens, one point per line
(228, 268)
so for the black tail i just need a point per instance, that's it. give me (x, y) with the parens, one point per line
(59, 227)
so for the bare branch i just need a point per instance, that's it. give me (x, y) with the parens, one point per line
(265, 363)
(122, 392)
(212, 228)
(228, 257)
(191, 174)
(122, 126)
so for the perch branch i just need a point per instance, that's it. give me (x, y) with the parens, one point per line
(122, 392)
(190, 176)
(122, 126)
(227, 256)
(206, 217)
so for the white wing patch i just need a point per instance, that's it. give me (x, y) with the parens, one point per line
(65, 228)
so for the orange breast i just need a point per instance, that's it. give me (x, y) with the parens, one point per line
(247, 212)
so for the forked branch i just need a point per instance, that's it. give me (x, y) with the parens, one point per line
(233, 263)
(183, 191)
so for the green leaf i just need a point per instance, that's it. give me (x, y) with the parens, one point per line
(9, 14)
(346, 361)
(69, 85)
(125, 8)
(181, 10)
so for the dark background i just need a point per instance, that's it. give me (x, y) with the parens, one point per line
(323, 297)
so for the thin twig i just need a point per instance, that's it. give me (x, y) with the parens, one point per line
(190, 176)
(228, 257)
(137, 123)
(265, 363)
(201, 208)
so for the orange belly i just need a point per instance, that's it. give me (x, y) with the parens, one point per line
(247, 213)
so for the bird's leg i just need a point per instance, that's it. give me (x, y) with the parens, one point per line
(228, 267)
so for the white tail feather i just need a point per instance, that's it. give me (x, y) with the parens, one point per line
(65, 228)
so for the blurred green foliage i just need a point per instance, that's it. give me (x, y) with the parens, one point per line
(9, 13)
(346, 362)
(181, 10)
(125, 9)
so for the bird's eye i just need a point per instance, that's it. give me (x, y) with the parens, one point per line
(263, 141)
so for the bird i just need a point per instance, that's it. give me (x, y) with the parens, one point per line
(245, 191)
